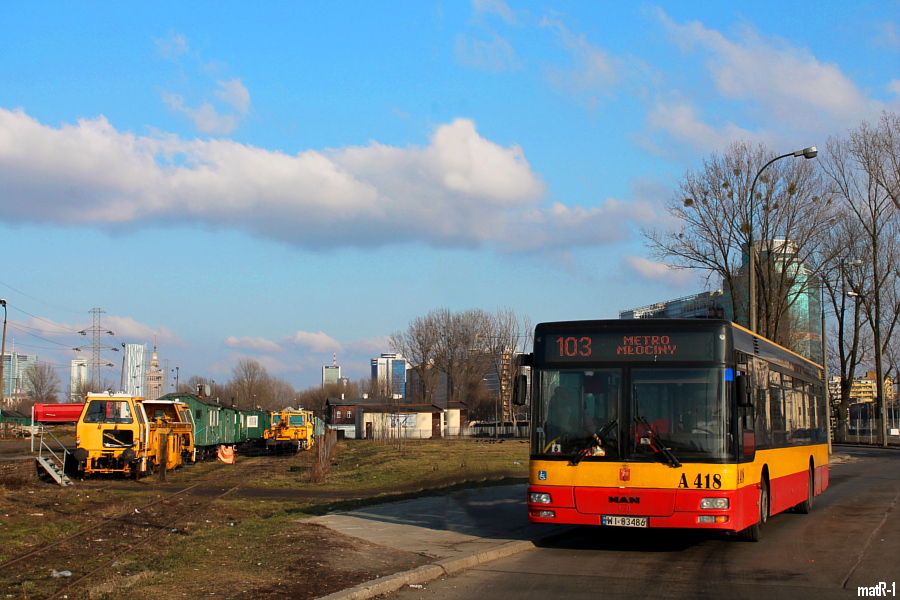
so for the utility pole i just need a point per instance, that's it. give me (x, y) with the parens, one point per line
(96, 347)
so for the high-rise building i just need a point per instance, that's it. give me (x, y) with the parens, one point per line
(15, 382)
(78, 378)
(331, 374)
(390, 372)
(863, 389)
(134, 370)
(800, 292)
(154, 378)
(705, 305)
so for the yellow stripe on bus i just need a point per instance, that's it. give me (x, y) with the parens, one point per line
(780, 463)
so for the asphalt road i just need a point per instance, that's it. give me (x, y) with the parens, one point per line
(851, 540)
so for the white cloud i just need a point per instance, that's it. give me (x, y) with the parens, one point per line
(894, 87)
(888, 36)
(206, 118)
(234, 94)
(788, 83)
(232, 98)
(680, 120)
(304, 351)
(370, 347)
(461, 190)
(657, 271)
(173, 46)
(257, 344)
(561, 226)
(495, 7)
(493, 55)
(595, 70)
(318, 342)
(122, 328)
(270, 363)
(126, 328)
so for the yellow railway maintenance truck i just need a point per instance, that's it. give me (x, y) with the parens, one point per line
(120, 433)
(291, 431)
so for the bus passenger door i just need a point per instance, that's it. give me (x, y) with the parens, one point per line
(746, 417)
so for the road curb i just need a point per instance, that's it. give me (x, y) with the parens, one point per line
(425, 573)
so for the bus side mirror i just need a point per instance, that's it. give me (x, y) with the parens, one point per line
(744, 392)
(520, 390)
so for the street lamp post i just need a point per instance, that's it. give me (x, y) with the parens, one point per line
(875, 322)
(122, 380)
(2, 349)
(810, 152)
(842, 266)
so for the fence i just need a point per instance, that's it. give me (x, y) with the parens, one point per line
(324, 451)
(864, 427)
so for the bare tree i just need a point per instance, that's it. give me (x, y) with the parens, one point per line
(314, 398)
(198, 383)
(248, 383)
(467, 348)
(419, 345)
(510, 335)
(82, 389)
(280, 394)
(856, 169)
(42, 382)
(712, 230)
(461, 344)
(884, 160)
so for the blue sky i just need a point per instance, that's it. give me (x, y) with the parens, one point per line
(288, 180)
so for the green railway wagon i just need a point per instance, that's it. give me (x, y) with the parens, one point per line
(215, 424)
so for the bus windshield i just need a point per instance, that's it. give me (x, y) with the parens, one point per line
(669, 414)
(684, 408)
(574, 407)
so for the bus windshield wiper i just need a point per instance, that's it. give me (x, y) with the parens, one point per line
(595, 440)
(656, 443)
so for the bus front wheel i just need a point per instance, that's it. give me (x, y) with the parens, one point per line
(806, 506)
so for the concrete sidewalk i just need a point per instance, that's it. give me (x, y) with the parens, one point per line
(457, 531)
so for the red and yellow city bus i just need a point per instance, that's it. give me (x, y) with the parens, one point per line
(672, 423)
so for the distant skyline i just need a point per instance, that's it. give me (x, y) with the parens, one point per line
(286, 181)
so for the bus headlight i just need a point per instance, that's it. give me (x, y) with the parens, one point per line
(540, 498)
(715, 504)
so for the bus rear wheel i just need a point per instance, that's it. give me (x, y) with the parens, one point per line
(754, 533)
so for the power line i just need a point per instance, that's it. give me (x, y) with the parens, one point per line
(17, 328)
(40, 301)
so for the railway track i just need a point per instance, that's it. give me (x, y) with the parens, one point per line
(70, 566)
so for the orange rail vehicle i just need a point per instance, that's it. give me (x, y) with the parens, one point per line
(291, 431)
(119, 433)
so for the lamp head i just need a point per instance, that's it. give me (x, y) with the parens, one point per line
(810, 152)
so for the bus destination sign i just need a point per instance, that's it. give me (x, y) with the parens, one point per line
(571, 346)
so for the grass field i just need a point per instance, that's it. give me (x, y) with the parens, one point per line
(253, 544)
